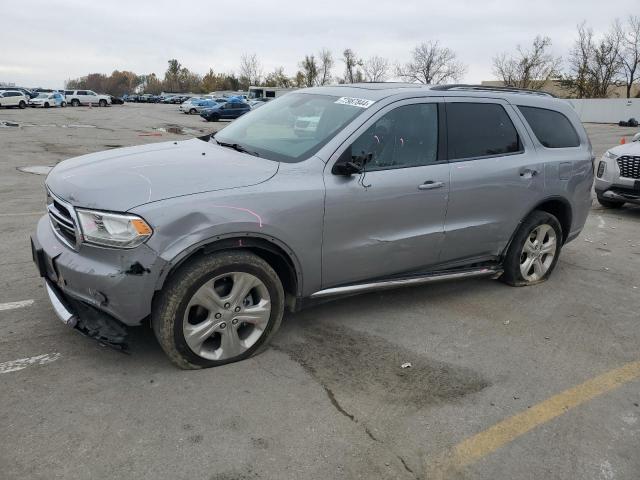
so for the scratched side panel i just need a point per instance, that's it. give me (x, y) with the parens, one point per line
(288, 208)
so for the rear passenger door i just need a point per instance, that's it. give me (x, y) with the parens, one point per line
(496, 178)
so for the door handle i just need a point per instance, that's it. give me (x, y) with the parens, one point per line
(528, 172)
(430, 185)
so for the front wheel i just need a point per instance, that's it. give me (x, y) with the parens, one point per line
(75, 102)
(63, 104)
(192, 111)
(102, 103)
(22, 104)
(534, 250)
(218, 309)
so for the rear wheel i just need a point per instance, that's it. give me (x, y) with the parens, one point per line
(218, 309)
(534, 250)
(606, 203)
(214, 118)
(63, 104)
(75, 102)
(46, 105)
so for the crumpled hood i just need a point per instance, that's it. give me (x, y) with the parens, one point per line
(124, 178)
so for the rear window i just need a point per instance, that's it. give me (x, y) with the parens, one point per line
(480, 130)
(551, 128)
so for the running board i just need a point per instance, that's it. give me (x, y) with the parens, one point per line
(404, 282)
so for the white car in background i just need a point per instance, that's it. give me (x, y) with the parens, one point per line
(187, 105)
(306, 126)
(75, 98)
(47, 100)
(13, 98)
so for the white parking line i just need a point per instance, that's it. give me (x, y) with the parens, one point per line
(13, 305)
(20, 214)
(22, 363)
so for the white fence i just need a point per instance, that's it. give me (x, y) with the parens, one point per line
(606, 110)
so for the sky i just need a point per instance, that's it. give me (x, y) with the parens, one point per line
(43, 43)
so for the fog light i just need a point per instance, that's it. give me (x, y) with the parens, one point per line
(601, 168)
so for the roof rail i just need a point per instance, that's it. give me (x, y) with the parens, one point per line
(488, 88)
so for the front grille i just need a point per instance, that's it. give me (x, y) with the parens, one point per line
(629, 166)
(63, 222)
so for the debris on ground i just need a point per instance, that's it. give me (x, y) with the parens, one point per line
(406, 365)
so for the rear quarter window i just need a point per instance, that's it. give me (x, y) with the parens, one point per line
(551, 128)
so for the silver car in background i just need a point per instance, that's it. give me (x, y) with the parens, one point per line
(211, 239)
(618, 176)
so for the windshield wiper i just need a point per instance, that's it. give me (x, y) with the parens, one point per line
(237, 147)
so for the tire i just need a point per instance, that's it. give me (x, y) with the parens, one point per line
(172, 320)
(214, 118)
(192, 111)
(539, 231)
(46, 105)
(102, 103)
(75, 102)
(606, 203)
(22, 104)
(63, 104)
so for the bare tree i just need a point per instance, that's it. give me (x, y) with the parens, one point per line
(324, 67)
(309, 68)
(528, 68)
(376, 69)
(431, 64)
(352, 72)
(594, 66)
(278, 78)
(250, 70)
(630, 49)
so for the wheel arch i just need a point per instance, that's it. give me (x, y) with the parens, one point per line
(557, 206)
(276, 253)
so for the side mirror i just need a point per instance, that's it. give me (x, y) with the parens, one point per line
(348, 165)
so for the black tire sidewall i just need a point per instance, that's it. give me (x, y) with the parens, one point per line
(269, 278)
(511, 264)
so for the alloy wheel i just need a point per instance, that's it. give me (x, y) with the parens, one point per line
(538, 252)
(226, 316)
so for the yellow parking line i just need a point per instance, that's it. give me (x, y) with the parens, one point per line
(482, 444)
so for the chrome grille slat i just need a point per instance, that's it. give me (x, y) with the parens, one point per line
(63, 223)
(629, 166)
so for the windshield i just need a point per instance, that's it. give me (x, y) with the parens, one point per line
(43, 95)
(290, 128)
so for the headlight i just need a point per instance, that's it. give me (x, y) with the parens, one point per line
(113, 229)
(610, 155)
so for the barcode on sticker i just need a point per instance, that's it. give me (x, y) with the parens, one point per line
(355, 102)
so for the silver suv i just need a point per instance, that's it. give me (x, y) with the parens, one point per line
(618, 176)
(394, 184)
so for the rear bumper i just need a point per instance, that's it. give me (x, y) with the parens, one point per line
(120, 283)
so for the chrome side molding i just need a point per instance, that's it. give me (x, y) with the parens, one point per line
(404, 282)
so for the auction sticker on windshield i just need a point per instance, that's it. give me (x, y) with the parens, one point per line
(355, 102)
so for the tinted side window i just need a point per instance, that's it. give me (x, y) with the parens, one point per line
(551, 128)
(480, 129)
(405, 137)
(81, 92)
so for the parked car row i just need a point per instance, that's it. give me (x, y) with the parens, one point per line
(21, 98)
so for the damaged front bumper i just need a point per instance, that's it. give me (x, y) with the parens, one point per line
(93, 282)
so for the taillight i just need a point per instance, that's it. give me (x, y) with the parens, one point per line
(601, 168)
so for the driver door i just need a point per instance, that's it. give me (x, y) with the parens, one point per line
(389, 219)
